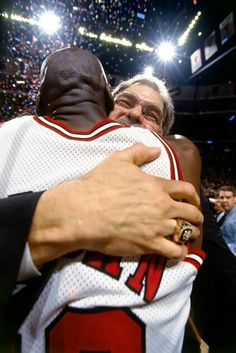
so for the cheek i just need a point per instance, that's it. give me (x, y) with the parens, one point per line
(116, 113)
(152, 126)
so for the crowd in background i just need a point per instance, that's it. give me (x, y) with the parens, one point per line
(211, 184)
(25, 47)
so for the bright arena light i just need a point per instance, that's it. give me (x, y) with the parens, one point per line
(166, 51)
(148, 71)
(49, 22)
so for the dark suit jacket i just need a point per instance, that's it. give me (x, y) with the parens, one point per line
(16, 213)
(214, 290)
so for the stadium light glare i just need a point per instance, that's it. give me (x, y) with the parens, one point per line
(148, 71)
(144, 46)
(166, 51)
(183, 38)
(49, 22)
(108, 38)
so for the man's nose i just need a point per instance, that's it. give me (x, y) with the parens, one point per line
(135, 113)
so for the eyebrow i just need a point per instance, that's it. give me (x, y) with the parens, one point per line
(150, 104)
(154, 107)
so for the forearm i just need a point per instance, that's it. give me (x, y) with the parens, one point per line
(51, 232)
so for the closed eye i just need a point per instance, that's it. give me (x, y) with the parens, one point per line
(124, 103)
(154, 116)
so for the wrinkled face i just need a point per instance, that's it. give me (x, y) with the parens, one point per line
(227, 200)
(139, 105)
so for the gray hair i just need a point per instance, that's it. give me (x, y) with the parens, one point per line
(159, 86)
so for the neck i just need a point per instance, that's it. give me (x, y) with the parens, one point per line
(82, 116)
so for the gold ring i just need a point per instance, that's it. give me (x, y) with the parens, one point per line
(183, 231)
(178, 227)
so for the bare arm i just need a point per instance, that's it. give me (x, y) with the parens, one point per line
(116, 209)
(190, 162)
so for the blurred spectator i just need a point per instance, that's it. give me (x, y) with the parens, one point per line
(227, 219)
(216, 206)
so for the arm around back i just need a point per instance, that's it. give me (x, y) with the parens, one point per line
(190, 161)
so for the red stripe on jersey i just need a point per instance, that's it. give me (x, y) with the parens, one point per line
(181, 177)
(196, 261)
(174, 160)
(198, 252)
(99, 129)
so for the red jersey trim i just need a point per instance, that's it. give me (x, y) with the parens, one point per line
(99, 129)
(196, 258)
(178, 166)
(176, 171)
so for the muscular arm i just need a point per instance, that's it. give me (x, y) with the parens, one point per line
(190, 162)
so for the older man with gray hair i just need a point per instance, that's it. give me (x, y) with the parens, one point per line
(147, 95)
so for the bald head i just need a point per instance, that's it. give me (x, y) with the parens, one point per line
(70, 76)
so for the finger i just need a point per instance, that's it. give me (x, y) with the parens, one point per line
(181, 190)
(195, 232)
(170, 249)
(190, 213)
(180, 224)
(138, 154)
(184, 211)
(177, 225)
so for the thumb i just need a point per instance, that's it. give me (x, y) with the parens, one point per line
(138, 154)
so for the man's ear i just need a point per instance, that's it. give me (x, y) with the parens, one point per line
(109, 100)
(39, 105)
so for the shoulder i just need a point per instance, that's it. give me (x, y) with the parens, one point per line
(189, 157)
(232, 214)
(190, 162)
(183, 145)
(15, 122)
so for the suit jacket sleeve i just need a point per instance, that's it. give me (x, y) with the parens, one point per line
(16, 213)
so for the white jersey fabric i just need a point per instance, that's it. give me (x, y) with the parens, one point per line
(93, 302)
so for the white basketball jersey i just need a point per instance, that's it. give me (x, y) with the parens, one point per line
(94, 302)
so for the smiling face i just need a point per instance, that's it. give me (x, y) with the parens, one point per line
(139, 105)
